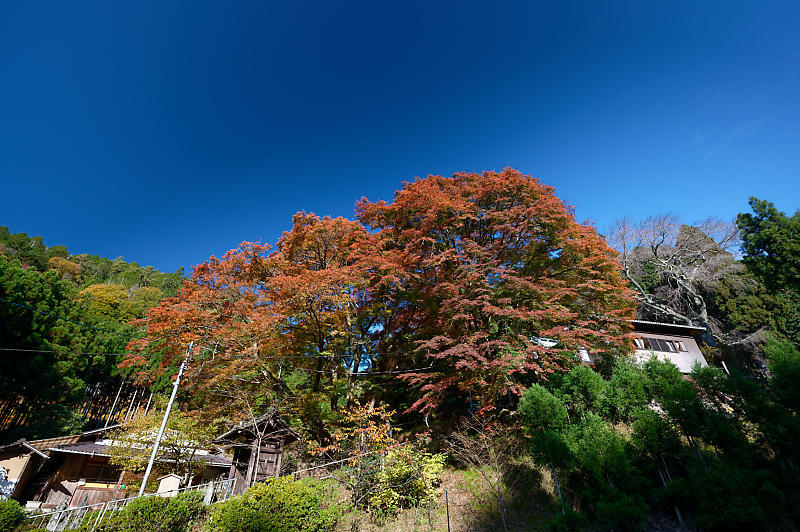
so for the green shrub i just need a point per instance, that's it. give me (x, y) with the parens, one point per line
(279, 505)
(154, 514)
(570, 521)
(620, 511)
(542, 410)
(10, 514)
(144, 512)
(185, 508)
(409, 478)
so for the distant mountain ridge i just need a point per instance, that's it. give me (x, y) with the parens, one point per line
(85, 269)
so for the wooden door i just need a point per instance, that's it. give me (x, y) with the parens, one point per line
(268, 460)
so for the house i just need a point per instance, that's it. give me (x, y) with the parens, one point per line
(666, 341)
(674, 343)
(76, 470)
(256, 448)
(18, 462)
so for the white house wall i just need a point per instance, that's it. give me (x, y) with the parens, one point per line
(685, 360)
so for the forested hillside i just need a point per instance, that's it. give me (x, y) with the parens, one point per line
(64, 321)
(450, 318)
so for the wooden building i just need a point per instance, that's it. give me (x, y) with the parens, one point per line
(18, 462)
(257, 449)
(75, 470)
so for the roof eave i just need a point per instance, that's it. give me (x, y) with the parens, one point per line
(691, 330)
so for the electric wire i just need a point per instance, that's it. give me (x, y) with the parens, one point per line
(280, 357)
(65, 319)
(221, 353)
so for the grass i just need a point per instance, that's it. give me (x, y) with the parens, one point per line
(532, 502)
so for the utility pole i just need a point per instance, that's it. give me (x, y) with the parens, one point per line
(166, 417)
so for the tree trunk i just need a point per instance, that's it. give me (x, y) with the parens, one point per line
(558, 486)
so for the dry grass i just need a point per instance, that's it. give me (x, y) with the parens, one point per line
(532, 503)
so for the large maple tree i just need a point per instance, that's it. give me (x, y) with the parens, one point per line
(465, 288)
(481, 275)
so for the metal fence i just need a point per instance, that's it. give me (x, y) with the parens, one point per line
(90, 516)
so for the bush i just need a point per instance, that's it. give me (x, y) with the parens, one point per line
(409, 478)
(570, 521)
(620, 511)
(542, 410)
(279, 505)
(142, 513)
(186, 507)
(154, 514)
(10, 514)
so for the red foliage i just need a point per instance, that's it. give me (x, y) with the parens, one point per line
(269, 311)
(460, 276)
(478, 266)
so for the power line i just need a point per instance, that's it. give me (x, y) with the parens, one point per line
(65, 319)
(62, 351)
(73, 352)
(222, 353)
(397, 372)
(228, 355)
(277, 357)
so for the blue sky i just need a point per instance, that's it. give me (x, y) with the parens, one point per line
(169, 131)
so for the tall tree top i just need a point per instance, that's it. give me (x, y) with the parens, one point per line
(771, 244)
(488, 264)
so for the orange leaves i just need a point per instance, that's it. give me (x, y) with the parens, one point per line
(457, 275)
(361, 430)
(491, 262)
(268, 312)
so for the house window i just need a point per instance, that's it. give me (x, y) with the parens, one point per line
(100, 473)
(668, 346)
(657, 344)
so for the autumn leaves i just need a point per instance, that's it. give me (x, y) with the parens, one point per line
(457, 275)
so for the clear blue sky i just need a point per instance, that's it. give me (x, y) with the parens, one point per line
(169, 131)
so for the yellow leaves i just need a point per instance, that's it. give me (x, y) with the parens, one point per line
(362, 430)
(110, 300)
(120, 303)
(66, 268)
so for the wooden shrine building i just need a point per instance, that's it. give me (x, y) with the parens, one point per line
(256, 449)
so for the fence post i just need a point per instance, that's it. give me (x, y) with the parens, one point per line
(209, 494)
(447, 505)
(100, 515)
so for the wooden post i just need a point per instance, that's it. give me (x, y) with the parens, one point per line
(447, 505)
(279, 460)
(233, 466)
(116, 487)
(111, 413)
(251, 463)
(231, 473)
(135, 391)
